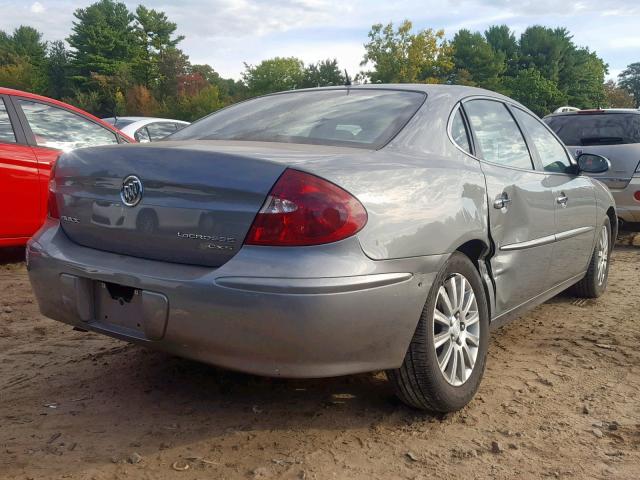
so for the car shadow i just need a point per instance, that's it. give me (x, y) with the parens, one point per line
(126, 398)
(11, 255)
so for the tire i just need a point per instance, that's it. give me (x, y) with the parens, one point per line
(420, 382)
(595, 281)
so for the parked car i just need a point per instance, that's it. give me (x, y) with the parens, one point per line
(146, 129)
(340, 230)
(615, 134)
(34, 130)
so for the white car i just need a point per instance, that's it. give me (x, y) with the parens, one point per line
(146, 129)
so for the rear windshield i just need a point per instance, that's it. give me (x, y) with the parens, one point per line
(596, 129)
(353, 117)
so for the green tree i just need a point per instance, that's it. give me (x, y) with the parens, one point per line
(229, 90)
(172, 64)
(475, 61)
(544, 49)
(19, 74)
(502, 40)
(274, 75)
(102, 39)
(533, 90)
(617, 97)
(400, 56)
(582, 78)
(57, 65)
(156, 35)
(27, 42)
(23, 59)
(629, 79)
(193, 107)
(323, 74)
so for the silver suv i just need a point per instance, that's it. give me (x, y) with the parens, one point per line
(612, 133)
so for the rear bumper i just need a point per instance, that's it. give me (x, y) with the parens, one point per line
(293, 312)
(627, 206)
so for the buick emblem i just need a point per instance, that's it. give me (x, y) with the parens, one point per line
(131, 191)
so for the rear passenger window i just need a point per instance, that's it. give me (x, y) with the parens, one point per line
(6, 130)
(552, 154)
(159, 130)
(459, 132)
(142, 135)
(499, 139)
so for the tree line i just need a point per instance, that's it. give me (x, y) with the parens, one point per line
(121, 62)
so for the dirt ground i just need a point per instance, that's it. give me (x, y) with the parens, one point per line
(560, 399)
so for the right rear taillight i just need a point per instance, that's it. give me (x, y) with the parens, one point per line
(52, 203)
(303, 209)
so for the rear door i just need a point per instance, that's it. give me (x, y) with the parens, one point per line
(20, 208)
(50, 130)
(521, 205)
(575, 202)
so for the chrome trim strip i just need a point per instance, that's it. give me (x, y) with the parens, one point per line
(573, 233)
(537, 242)
(312, 286)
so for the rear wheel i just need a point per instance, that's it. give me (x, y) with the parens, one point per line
(446, 358)
(595, 281)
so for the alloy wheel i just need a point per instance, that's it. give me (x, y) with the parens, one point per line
(456, 329)
(603, 255)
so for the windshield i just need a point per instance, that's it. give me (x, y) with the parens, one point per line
(366, 118)
(596, 129)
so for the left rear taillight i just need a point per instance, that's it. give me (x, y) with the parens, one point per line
(303, 210)
(52, 203)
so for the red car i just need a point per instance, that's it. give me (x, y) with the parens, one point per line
(34, 130)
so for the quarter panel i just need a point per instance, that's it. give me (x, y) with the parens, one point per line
(428, 208)
(423, 195)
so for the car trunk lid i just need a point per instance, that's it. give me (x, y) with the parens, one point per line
(198, 199)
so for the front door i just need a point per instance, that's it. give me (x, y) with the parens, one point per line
(574, 199)
(51, 129)
(521, 205)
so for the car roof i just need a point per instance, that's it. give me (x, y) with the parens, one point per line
(454, 91)
(33, 96)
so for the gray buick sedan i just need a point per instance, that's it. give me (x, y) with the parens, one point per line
(327, 232)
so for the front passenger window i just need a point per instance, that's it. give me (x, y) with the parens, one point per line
(499, 139)
(552, 154)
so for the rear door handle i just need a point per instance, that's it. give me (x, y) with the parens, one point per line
(502, 201)
(562, 199)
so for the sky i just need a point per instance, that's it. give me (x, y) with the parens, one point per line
(227, 33)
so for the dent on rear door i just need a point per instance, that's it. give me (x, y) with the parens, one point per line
(522, 232)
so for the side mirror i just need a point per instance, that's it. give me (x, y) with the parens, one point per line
(592, 163)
